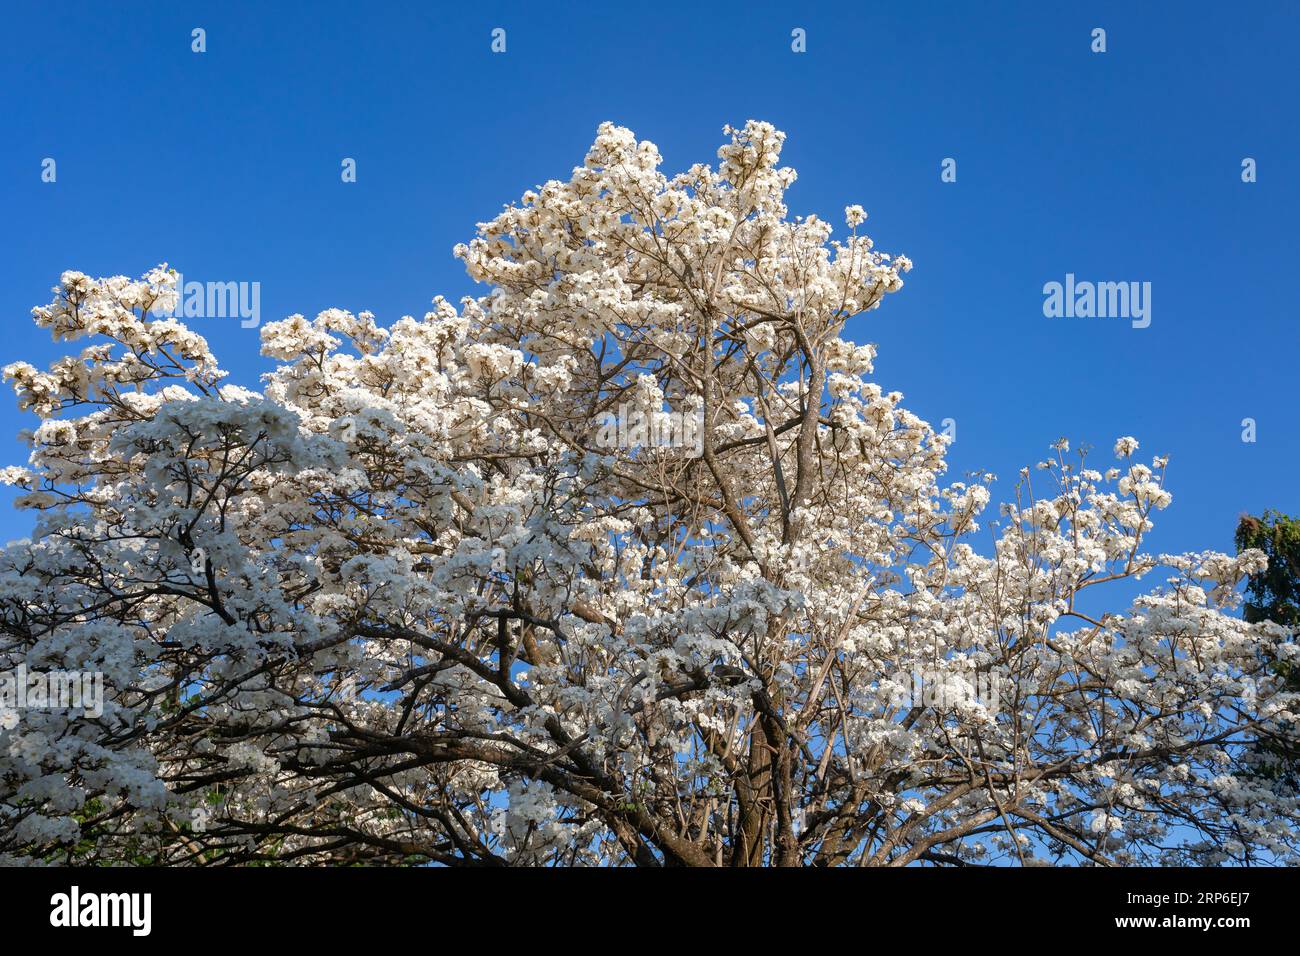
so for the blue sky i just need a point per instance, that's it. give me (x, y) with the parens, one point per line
(1122, 166)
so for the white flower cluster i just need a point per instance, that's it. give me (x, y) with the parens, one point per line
(404, 604)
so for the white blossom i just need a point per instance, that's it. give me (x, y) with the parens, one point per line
(400, 604)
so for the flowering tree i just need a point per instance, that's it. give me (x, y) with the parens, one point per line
(411, 603)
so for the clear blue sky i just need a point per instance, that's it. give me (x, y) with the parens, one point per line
(1119, 166)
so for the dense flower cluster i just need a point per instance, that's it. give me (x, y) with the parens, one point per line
(402, 604)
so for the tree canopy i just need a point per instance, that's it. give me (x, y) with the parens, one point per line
(410, 602)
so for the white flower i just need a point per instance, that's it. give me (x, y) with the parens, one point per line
(410, 574)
